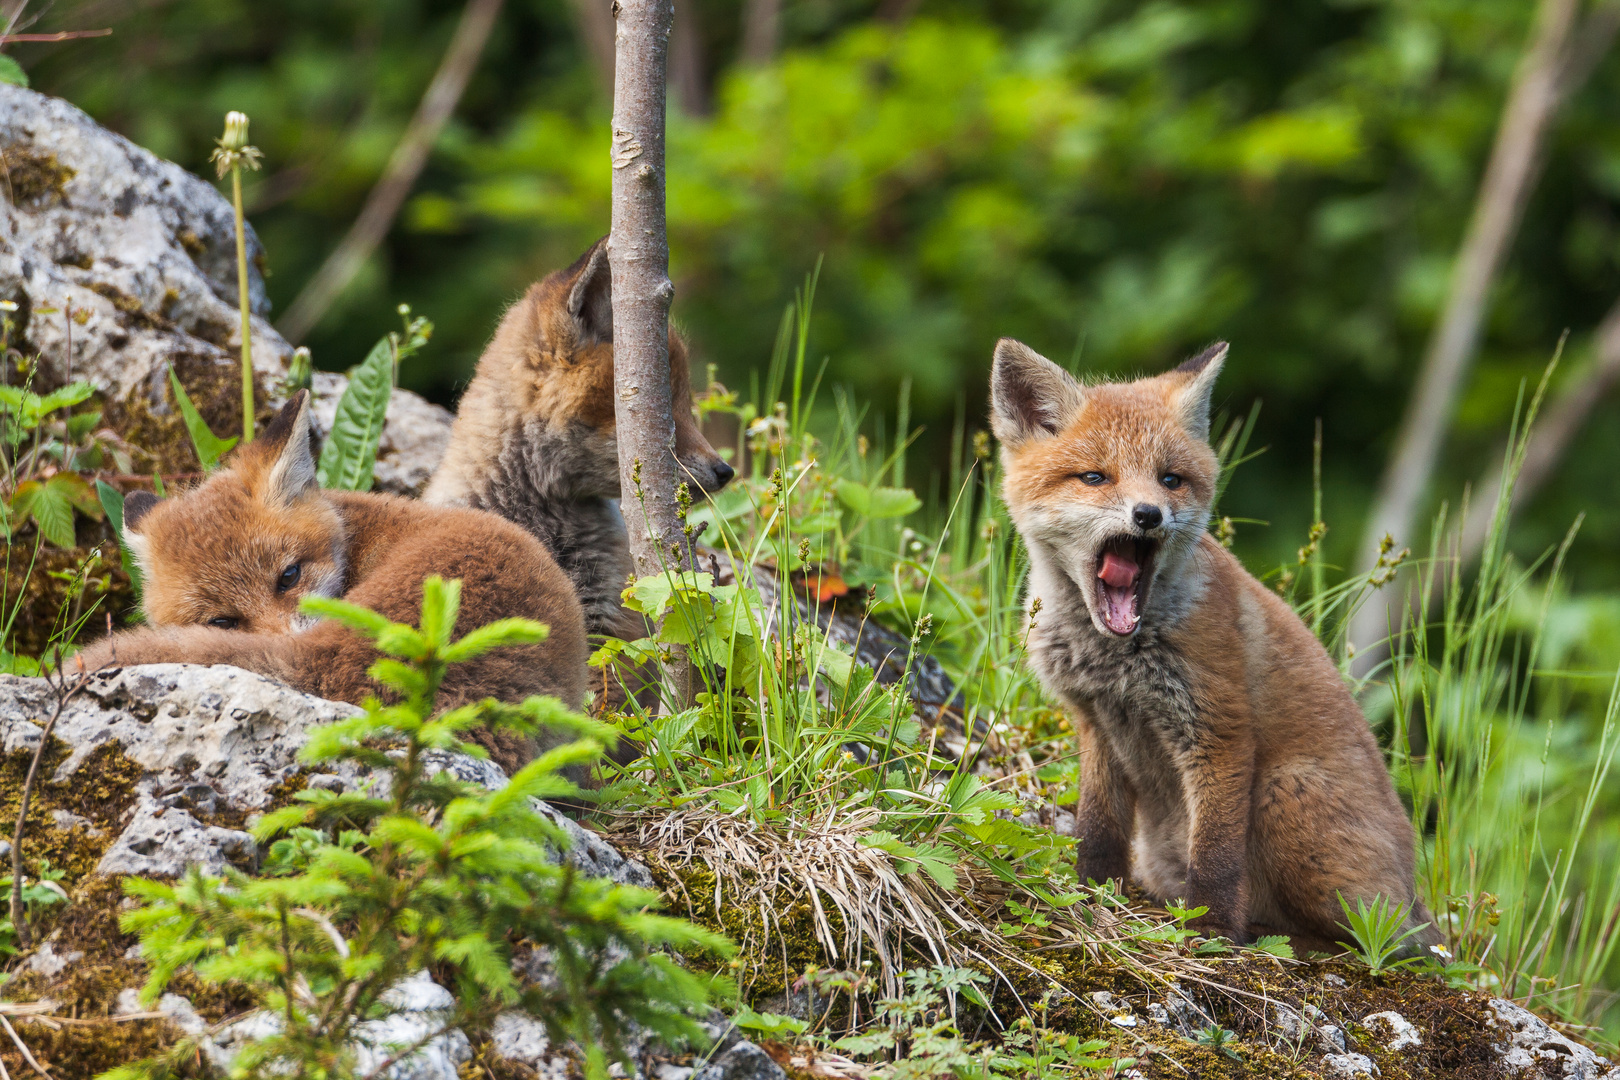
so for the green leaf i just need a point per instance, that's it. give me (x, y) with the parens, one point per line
(210, 447)
(12, 72)
(350, 452)
(82, 424)
(112, 504)
(877, 502)
(50, 508)
(65, 397)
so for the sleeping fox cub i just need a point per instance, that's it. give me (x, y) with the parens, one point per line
(1223, 759)
(226, 564)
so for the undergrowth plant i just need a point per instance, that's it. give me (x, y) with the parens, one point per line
(416, 870)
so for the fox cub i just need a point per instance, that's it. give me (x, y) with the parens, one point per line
(1223, 759)
(226, 564)
(534, 439)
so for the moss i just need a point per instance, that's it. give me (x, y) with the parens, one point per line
(215, 388)
(36, 587)
(770, 958)
(33, 179)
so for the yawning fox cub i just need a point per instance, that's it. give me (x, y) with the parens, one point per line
(1223, 759)
(225, 565)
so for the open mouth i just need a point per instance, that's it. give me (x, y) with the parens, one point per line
(1123, 567)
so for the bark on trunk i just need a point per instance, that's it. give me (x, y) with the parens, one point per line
(762, 30)
(638, 254)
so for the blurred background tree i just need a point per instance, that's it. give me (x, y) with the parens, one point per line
(1115, 183)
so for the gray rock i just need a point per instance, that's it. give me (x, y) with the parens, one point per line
(1348, 1065)
(744, 1061)
(1531, 1046)
(1401, 1034)
(421, 1005)
(50, 963)
(147, 253)
(521, 1038)
(415, 434)
(230, 729)
(166, 841)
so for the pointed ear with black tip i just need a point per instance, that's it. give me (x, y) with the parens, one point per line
(292, 471)
(590, 298)
(1030, 397)
(137, 504)
(1199, 373)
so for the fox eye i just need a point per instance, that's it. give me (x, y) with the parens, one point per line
(1170, 480)
(289, 577)
(1092, 478)
(224, 622)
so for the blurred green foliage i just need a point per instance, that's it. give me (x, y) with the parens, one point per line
(1115, 183)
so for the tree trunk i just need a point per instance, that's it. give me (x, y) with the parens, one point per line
(638, 255)
(595, 19)
(762, 30)
(1538, 88)
(686, 60)
(404, 166)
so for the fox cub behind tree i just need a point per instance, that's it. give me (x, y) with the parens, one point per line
(535, 436)
(1223, 758)
(225, 565)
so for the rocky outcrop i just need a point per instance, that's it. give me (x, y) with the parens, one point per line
(122, 265)
(214, 744)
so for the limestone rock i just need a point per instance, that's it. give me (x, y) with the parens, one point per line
(1401, 1032)
(1348, 1065)
(144, 253)
(744, 1061)
(1531, 1047)
(421, 1006)
(165, 841)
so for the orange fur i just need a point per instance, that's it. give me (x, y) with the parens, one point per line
(225, 565)
(1225, 762)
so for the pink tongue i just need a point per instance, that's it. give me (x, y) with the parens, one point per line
(1118, 573)
(1119, 576)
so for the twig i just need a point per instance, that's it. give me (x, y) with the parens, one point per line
(64, 694)
(1551, 437)
(27, 1056)
(410, 156)
(65, 35)
(1543, 81)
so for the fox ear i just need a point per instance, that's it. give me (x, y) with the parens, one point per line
(1199, 374)
(1030, 396)
(292, 471)
(137, 504)
(590, 300)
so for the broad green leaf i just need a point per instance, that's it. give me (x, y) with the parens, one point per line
(77, 490)
(877, 502)
(112, 503)
(893, 502)
(65, 397)
(50, 508)
(350, 452)
(12, 72)
(210, 447)
(82, 424)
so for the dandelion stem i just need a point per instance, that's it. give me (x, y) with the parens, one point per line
(242, 301)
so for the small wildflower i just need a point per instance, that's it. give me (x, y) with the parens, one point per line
(1442, 952)
(234, 151)
(981, 445)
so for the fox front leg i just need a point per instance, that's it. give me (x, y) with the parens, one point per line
(1218, 796)
(1106, 811)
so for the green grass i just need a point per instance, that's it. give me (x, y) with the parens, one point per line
(1497, 705)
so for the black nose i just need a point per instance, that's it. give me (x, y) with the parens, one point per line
(1147, 516)
(722, 475)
